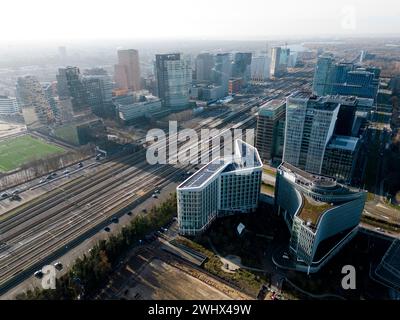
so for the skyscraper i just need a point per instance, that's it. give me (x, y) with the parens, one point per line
(204, 66)
(310, 123)
(241, 66)
(35, 107)
(322, 74)
(99, 94)
(275, 67)
(174, 76)
(340, 158)
(260, 68)
(127, 71)
(70, 86)
(271, 129)
(222, 72)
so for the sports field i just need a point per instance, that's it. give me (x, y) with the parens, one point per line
(16, 151)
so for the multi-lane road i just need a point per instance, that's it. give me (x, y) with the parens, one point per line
(44, 228)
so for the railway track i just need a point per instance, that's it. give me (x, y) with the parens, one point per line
(43, 230)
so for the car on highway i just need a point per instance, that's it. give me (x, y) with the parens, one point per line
(107, 229)
(58, 265)
(80, 164)
(54, 174)
(66, 171)
(15, 192)
(129, 213)
(5, 195)
(49, 177)
(38, 274)
(154, 196)
(42, 180)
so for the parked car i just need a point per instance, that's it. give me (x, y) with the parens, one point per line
(58, 265)
(114, 220)
(38, 274)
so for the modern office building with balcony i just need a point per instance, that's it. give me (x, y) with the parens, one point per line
(322, 215)
(228, 185)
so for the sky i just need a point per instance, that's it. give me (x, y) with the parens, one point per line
(48, 20)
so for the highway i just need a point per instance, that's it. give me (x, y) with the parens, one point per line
(42, 229)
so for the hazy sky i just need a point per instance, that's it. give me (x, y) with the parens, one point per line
(205, 19)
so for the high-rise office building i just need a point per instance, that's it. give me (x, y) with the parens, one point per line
(260, 68)
(270, 130)
(322, 74)
(340, 158)
(8, 105)
(127, 71)
(241, 67)
(36, 109)
(70, 86)
(174, 76)
(331, 78)
(276, 68)
(204, 66)
(222, 72)
(322, 215)
(224, 186)
(310, 123)
(321, 133)
(99, 93)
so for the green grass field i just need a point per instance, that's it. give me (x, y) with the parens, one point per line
(17, 151)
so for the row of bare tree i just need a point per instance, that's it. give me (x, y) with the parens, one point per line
(40, 167)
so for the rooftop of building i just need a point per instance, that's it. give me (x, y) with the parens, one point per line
(333, 100)
(344, 142)
(245, 157)
(312, 210)
(271, 107)
(320, 184)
